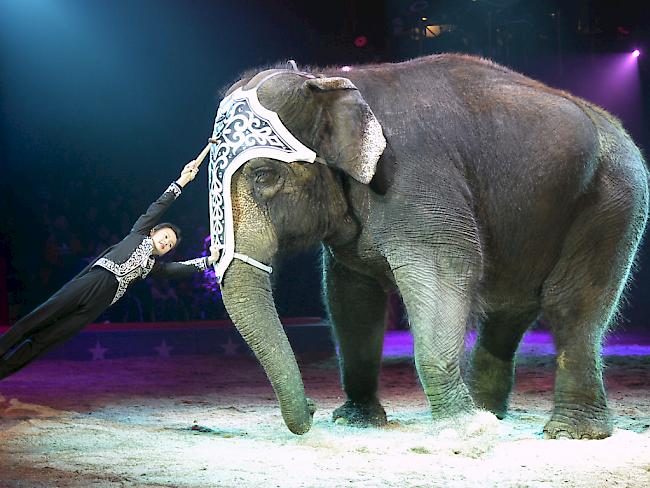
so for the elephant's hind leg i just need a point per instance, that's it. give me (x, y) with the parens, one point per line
(580, 300)
(492, 366)
(356, 305)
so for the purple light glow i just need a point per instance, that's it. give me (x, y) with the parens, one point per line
(636, 53)
(346, 68)
(612, 81)
(535, 342)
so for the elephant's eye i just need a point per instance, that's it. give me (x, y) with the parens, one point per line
(266, 181)
(264, 176)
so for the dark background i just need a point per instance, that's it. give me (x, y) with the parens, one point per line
(103, 102)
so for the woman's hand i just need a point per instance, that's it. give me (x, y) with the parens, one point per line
(215, 252)
(191, 169)
(188, 173)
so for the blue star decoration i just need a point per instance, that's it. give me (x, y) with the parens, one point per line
(98, 352)
(163, 349)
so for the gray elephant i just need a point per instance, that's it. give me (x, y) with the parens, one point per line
(480, 194)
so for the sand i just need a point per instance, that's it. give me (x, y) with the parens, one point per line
(200, 421)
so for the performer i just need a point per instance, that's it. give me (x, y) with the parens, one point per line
(103, 282)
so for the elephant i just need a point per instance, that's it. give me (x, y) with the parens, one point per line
(479, 194)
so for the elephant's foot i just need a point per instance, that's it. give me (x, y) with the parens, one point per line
(449, 401)
(491, 381)
(360, 414)
(579, 422)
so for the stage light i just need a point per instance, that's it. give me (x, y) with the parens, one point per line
(636, 53)
(346, 68)
(360, 41)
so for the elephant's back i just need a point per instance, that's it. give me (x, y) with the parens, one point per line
(490, 146)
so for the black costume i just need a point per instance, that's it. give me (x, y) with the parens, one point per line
(95, 288)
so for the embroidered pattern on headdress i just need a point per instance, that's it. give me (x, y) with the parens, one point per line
(244, 130)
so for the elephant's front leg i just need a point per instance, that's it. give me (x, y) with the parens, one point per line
(438, 300)
(356, 306)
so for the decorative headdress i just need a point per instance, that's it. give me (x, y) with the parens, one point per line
(244, 130)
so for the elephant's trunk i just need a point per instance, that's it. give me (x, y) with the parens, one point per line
(249, 301)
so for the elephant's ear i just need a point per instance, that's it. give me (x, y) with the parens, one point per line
(348, 135)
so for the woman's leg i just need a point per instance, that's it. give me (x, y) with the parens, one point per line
(39, 343)
(77, 304)
(62, 303)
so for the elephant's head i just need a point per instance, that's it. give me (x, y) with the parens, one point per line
(285, 206)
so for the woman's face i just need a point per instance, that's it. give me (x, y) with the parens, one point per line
(164, 240)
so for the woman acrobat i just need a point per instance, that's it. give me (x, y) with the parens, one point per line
(80, 301)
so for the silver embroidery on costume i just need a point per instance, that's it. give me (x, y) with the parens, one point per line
(243, 130)
(137, 266)
(200, 263)
(175, 189)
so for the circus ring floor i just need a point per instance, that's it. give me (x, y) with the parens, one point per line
(158, 416)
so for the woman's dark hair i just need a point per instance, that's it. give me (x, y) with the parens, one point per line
(168, 225)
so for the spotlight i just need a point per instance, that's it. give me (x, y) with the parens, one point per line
(636, 53)
(346, 68)
(360, 41)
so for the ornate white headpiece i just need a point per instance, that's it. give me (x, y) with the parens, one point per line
(243, 130)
